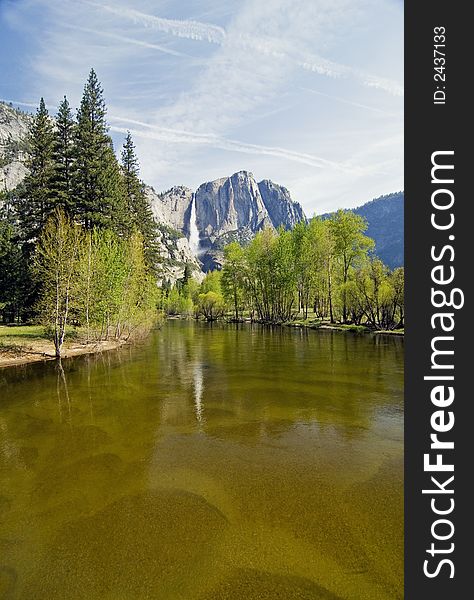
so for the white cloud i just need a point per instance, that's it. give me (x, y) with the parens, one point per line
(233, 86)
(193, 30)
(125, 39)
(176, 136)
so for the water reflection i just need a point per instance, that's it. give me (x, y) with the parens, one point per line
(198, 386)
(224, 462)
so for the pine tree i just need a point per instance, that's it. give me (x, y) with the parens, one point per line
(138, 206)
(64, 156)
(37, 198)
(99, 193)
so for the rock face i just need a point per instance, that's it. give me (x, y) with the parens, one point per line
(173, 207)
(283, 211)
(13, 130)
(176, 255)
(226, 206)
(227, 209)
(172, 210)
(218, 212)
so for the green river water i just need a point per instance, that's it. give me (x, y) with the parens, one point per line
(223, 462)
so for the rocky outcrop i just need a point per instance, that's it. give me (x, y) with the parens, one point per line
(283, 211)
(232, 204)
(227, 209)
(172, 208)
(13, 130)
(176, 254)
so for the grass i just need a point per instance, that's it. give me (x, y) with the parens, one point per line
(353, 328)
(23, 332)
(392, 331)
(16, 338)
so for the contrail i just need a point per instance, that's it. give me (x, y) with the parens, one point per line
(28, 104)
(350, 102)
(193, 30)
(197, 30)
(185, 137)
(323, 66)
(122, 38)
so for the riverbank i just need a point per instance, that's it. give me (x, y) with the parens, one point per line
(315, 324)
(25, 344)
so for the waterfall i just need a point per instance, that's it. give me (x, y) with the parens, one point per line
(193, 229)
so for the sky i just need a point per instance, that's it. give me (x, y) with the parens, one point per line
(307, 93)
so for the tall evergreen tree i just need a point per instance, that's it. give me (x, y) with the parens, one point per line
(37, 198)
(138, 206)
(64, 156)
(99, 194)
(15, 283)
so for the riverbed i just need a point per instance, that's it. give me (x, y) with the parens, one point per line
(209, 462)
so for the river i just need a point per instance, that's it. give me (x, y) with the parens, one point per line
(210, 462)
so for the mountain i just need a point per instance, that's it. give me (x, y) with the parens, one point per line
(196, 225)
(385, 216)
(174, 248)
(281, 208)
(218, 212)
(13, 129)
(172, 208)
(226, 209)
(385, 219)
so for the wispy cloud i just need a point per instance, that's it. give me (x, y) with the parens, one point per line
(187, 137)
(322, 66)
(126, 40)
(219, 87)
(374, 109)
(264, 45)
(27, 104)
(193, 30)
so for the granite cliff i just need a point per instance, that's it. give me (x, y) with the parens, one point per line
(227, 209)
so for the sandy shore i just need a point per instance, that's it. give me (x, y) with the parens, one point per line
(41, 350)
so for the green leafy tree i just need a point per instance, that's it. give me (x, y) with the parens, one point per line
(212, 282)
(110, 271)
(55, 266)
(211, 305)
(398, 284)
(233, 277)
(351, 246)
(138, 300)
(377, 293)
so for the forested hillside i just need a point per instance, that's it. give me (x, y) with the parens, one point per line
(385, 216)
(385, 225)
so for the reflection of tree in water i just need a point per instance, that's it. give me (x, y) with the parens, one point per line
(62, 390)
(248, 380)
